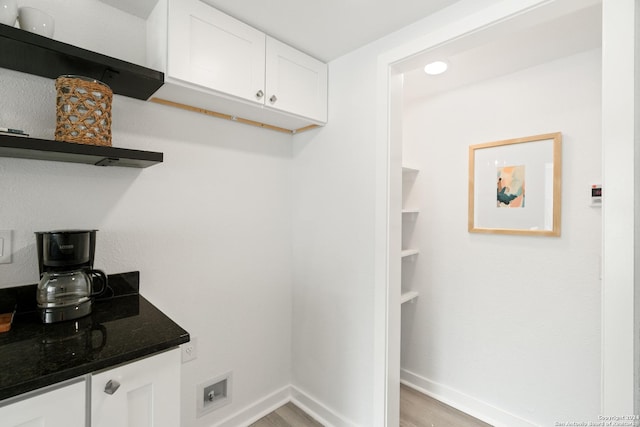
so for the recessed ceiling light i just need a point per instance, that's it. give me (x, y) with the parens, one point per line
(435, 68)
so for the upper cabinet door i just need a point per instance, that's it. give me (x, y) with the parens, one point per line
(296, 82)
(214, 50)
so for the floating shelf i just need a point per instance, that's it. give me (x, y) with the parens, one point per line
(409, 252)
(409, 170)
(408, 296)
(410, 211)
(34, 54)
(44, 149)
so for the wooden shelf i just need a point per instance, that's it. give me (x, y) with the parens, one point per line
(409, 252)
(44, 149)
(34, 54)
(408, 296)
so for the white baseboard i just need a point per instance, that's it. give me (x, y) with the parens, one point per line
(463, 402)
(258, 410)
(317, 410)
(329, 418)
(270, 403)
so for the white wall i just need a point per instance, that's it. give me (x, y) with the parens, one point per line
(334, 199)
(513, 322)
(209, 229)
(333, 193)
(620, 375)
(337, 312)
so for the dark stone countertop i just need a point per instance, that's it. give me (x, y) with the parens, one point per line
(122, 327)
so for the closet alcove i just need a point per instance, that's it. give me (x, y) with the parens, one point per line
(482, 316)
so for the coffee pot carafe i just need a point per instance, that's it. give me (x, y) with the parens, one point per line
(67, 278)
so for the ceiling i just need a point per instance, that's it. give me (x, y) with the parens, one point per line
(525, 41)
(324, 29)
(327, 29)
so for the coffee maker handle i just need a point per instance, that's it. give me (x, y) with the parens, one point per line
(103, 278)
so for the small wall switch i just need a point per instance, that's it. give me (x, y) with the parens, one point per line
(5, 246)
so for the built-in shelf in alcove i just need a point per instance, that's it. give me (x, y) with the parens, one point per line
(409, 252)
(408, 296)
(406, 169)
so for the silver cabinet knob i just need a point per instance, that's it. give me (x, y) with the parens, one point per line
(273, 99)
(259, 94)
(111, 387)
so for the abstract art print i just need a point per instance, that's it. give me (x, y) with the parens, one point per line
(510, 187)
(515, 186)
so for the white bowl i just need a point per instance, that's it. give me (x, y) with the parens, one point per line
(35, 21)
(8, 12)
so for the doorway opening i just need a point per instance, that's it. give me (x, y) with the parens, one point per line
(444, 314)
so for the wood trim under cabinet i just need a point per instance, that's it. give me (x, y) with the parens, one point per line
(230, 117)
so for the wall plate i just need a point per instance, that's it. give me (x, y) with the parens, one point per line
(5, 247)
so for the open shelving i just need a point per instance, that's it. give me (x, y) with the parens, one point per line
(409, 252)
(41, 56)
(408, 296)
(406, 169)
(408, 214)
(44, 149)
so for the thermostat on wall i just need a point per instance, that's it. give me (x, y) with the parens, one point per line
(596, 195)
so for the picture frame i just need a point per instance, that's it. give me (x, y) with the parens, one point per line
(515, 186)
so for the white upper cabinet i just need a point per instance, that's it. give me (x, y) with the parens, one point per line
(216, 63)
(295, 82)
(211, 49)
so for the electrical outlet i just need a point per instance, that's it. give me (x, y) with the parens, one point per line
(189, 350)
(5, 247)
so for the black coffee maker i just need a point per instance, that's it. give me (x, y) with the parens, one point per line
(67, 276)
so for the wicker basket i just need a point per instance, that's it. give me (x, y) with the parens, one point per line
(83, 112)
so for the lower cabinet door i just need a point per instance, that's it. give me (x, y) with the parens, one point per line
(62, 407)
(145, 393)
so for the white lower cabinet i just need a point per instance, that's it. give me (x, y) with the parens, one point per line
(61, 407)
(145, 393)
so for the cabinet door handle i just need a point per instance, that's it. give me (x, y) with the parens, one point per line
(273, 99)
(111, 387)
(259, 94)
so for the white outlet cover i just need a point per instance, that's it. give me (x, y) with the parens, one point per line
(5, 247)
(189, 350)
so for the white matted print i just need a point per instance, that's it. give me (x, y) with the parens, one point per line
(515, 186)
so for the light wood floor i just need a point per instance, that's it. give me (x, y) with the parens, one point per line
(416, 410)
(419, 410)
(288, 415)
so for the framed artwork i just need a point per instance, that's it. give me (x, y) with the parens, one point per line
(515, 186)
